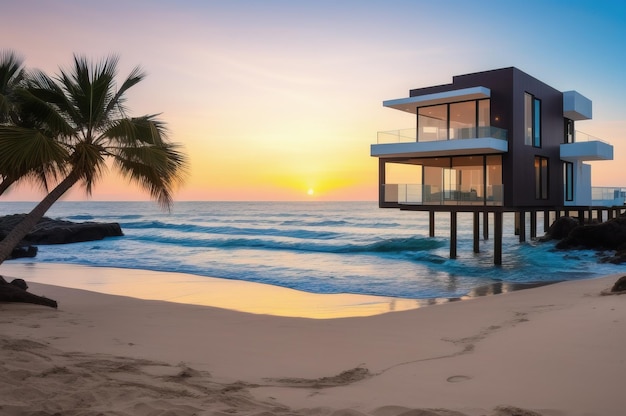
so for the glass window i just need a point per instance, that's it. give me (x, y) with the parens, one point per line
(494, 191)
(463, 120)
(541, 177)
(528, 119)
(470, 178)
(569, 181)
(532, 121)
(536, 123)
(432, 123)
(484, 119)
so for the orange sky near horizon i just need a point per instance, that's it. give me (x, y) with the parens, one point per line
(281, 100)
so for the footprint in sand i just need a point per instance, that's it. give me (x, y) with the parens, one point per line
(457, 379)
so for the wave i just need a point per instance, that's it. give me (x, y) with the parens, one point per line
(390, 246)
(229, 230)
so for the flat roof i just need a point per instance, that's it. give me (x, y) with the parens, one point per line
(410, 104)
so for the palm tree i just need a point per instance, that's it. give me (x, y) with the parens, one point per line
(86, 112)
(11, 75)
(27, 150)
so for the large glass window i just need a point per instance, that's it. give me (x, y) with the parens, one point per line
(568, 168)
(532, 121)
(541, 177)
(493, 182)
(432, 123)
(484, 118)
(463, 120)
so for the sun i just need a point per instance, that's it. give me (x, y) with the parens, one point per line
(310, 192)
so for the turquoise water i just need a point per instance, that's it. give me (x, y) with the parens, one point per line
(320, 247)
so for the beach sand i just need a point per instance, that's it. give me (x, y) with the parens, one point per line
(554, 350)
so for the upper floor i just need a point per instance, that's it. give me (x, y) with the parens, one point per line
(498, 137)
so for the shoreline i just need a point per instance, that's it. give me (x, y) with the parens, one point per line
(237, 295)
(554, 350)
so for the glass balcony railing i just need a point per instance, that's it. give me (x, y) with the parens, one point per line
(608, 196)
(430, 133)
(419, 194)
(579, 136)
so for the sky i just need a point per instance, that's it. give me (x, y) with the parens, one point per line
(281, 100)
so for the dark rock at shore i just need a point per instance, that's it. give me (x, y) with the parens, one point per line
(609, 235)
(50, 231)
(620, 285)
(561, 228)
(23, 252)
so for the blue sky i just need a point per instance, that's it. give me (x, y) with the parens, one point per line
(275, 98)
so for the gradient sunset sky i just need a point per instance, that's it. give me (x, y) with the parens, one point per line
(275, 99)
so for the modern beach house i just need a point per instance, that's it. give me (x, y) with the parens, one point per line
(492, 142)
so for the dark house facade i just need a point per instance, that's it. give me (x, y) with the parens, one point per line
(492, 141)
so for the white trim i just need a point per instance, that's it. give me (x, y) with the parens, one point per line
(410, 104)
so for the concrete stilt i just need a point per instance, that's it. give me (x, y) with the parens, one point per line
(476, 232)
(497, 238)
(486, 225)
(453, 230)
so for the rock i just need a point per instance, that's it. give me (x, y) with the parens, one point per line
(50, 231)
(561, 228)
(609, 235)
(620, 285)
(24, 251)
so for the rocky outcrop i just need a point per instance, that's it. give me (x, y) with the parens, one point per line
(609, 235)
(561, 228)
(50, 231)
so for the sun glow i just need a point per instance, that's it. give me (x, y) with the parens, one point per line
(310, 192)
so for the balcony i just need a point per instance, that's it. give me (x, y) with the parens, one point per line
(608, 196)
(436, 142)
(586, 147)
(419, 194)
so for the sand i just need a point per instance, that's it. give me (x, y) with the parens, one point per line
(553, 351)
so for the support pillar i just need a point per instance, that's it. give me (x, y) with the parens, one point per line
(522, 226)
(453, 234)
(497, 237)
(533, 224)
(609, 214)
(581, 216)
(431, 223)
(486, 225)
(476, 232)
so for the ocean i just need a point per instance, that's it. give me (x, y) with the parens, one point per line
(318, 247)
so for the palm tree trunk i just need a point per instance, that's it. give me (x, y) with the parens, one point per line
(21, 230)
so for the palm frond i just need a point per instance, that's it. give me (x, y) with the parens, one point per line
(136, 130)
(88, 162)
(159, 169)
(29, 154)
(11, 77)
